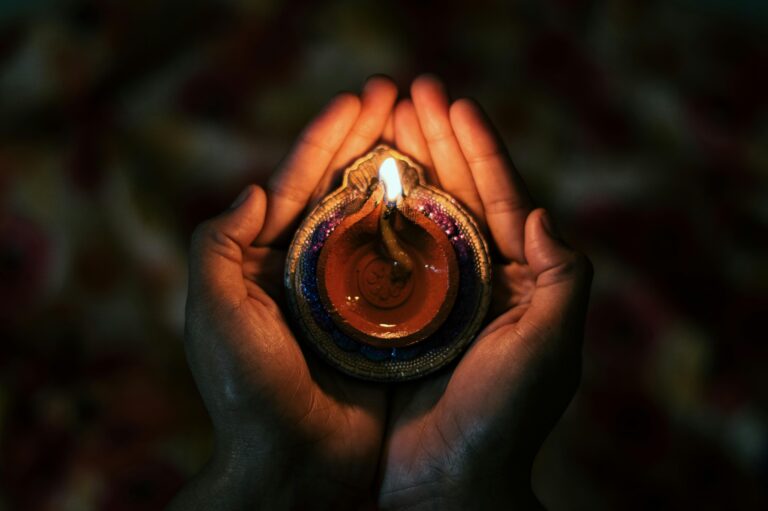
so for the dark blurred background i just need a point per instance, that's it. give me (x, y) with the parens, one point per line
(642, 124)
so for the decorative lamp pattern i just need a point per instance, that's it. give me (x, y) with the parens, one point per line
(388, 278)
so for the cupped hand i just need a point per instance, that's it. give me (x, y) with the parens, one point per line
(289, 432)
(293, 433)
(466, 437)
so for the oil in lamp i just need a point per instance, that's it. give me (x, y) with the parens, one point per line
(388, 277)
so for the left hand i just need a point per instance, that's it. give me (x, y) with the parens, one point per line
(465, 438)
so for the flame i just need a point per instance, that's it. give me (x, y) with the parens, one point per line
(390, 176)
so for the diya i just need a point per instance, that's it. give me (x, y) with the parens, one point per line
(388, 277)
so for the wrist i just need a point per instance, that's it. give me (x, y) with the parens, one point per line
(248, 474)
(241, 475)
(228, 481)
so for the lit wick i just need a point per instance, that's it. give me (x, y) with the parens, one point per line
(393, 190)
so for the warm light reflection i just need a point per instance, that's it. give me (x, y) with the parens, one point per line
(389, 175)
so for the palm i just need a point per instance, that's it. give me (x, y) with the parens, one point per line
(318, 407)
(482, 421)
(255, 379)
(335, 438)
(268, 399)
(474, 408)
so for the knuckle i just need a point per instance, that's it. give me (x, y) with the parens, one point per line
(484, 158)
(312, 139)
(504, 206)
(574, 265)
(202, 233)
(439, 135)
(366, 132)
(208, 235)
(289, 192)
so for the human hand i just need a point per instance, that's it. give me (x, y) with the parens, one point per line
(466, 437)
(289, 432)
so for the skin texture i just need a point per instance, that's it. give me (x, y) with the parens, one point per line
(466, 438)
(292, 433)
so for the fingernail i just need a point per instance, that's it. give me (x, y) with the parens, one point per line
(242, 197)
(549, 225)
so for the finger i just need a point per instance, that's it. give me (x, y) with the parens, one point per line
(431, 103)
(293, 183)
(563, 278)
(216, 254)
(377, 99)
(388, 134)
(410, 140)
(506, 202)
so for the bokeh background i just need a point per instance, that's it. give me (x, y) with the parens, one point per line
(642, 124)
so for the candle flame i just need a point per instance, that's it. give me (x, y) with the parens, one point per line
(389, 175)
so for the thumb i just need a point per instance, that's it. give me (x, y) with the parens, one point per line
(216, 253)
(563, 278)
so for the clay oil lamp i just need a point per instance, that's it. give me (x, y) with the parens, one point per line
(388, 277)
